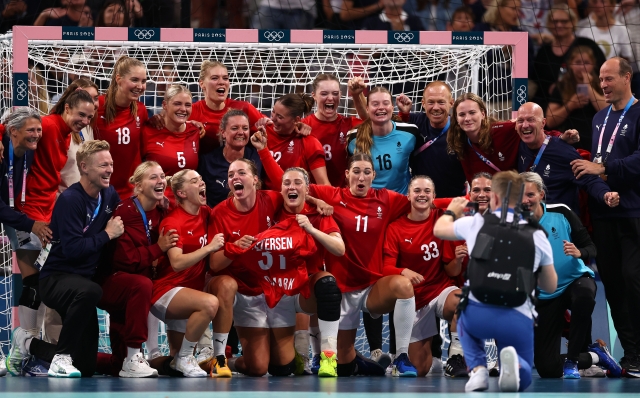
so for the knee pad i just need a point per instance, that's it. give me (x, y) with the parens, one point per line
(328, 298)
(30, 296)
(282, 370)
(347, 369)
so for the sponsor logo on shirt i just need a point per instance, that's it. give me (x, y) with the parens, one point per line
(547, 170)
(501, 156)
(342, 203)
(160, 143)
(379, 212)
(235, 233)
(522, 157)
(598, 126)
(290, 148)
(409, 240)
(190, 233)
(221, 182)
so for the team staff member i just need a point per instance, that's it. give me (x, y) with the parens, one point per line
(388, 143)
(551, 159)
(616, 231)
(512, 328)
(214, 82)
(120, 119)
(175, 146)
(82, 224)
(576, 291)
(411, 250)
(289, 149)
(430, 156)
(330, 127)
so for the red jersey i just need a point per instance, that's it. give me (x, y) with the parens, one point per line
(450, 252)
(411, 244)
(133, 252)
(44, 177)
(235, 224)
(362, 222)
(505, 151)
(173, 151)
(278, 260)
(294, 151)
(333, 137)
(124, 135)
(319, 222)
(192, 232)
(211, 119)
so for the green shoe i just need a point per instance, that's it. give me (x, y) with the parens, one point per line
(328, 364)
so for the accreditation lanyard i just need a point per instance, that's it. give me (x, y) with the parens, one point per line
(144, 218)
(537, 159)
(81, 136)
(598, 157)
(485, 160)
(95, 213)
(429, 143)
(23, 196)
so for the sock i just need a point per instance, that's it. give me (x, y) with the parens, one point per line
(131, 352)
(219, 343)
(301, 342)
(585, 360)
(314, 334)
(455, 348)
(29, 320)
(404, 313)
(329, 334)
(206, 340)
(151, 344)
(27, 343)
(594, 358)
(186, 348)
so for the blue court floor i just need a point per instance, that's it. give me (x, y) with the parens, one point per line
(300, 387)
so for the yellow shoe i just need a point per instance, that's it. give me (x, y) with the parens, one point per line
(219, 367)
(328, 364)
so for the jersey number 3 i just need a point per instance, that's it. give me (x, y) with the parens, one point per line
(430, 251)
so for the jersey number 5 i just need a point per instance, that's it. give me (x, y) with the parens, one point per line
(181, 160)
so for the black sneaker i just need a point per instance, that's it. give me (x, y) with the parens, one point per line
(367, 367)
(630, 366)
(456, 367)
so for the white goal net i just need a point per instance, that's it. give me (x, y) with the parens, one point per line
(261, 72)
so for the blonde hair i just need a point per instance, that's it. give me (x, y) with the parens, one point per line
(174, 90)
(121, 68)
(305, 174)
(88, 149)
(140, 171)
(206, 65)
(364, 132)
(176, 182)
(423, 177)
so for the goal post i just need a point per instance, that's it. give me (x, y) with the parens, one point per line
(39, 62)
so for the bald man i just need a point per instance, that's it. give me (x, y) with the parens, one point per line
(616, 231)
(430, 156)
(551, 158)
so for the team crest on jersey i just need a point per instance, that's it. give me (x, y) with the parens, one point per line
(138, 121)
(290, 149)
(150, 226)
(108, 210)
(624, 130)
(554, 233)
(501, 156)
(195, 150)
(547, 170)
(268, 222)
(399, 147)
(379, 212)
(342, 139)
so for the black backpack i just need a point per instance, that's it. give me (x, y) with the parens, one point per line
(500, 270)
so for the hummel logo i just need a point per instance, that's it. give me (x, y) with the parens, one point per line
(409, 240)
(342, 203)
(235, 233)
(190, 233)
(220, 341)
(160, 143)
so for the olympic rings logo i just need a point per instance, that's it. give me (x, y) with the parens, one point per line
(273, 36)
(403, 37)
(521, 95)
(21, 90)
(144, 34)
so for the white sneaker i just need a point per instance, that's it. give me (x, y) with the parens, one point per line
(478, 380)
(3, 365)
(509, 380)
(390, 367)
(18, 351)
(187, 366)
(383, 359)
(62, 366)
(137, 366)
(593, 371)
(205, 355)
(436, 367)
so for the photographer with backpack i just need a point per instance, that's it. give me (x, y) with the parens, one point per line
(509, 256)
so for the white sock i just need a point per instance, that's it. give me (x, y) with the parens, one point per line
(187, 348)
(455, 348)
(29, 320)
(594, 358)
(205, 340)
(329, 334)
(314, 334)
(152, 336)
(131, 352)
(219, 343)
(403, 314)
(301, 342)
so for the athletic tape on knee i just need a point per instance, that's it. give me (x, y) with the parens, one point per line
(328, 298)
(282, 370)
(30, 296)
